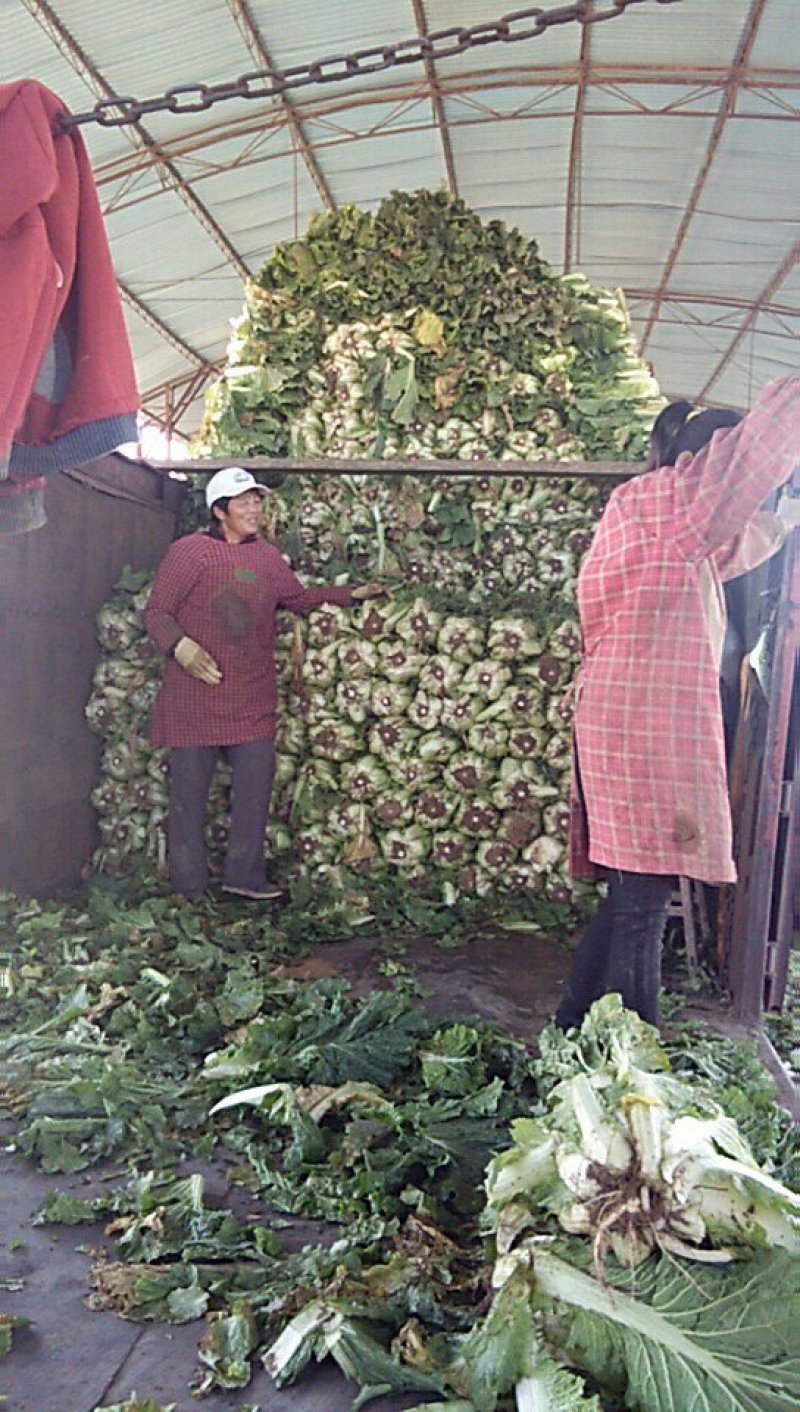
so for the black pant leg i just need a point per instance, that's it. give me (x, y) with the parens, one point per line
(587, 979)
(190, 771)
(253, 767)
(639, 903)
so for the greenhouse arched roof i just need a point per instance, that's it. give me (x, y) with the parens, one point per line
(657, 152)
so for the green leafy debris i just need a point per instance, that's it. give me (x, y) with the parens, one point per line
(136, 1404)
(225, 1351)
(363, 1115)
(8, 1323)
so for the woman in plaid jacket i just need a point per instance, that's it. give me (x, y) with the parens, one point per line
(649, 798)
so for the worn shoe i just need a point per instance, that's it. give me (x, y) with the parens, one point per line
(256, 894)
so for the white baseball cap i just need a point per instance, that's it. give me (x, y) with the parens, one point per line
(234, 480)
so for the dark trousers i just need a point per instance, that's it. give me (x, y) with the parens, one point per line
(620, 950)
(191, 769)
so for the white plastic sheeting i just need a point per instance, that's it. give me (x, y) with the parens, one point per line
(696, 217)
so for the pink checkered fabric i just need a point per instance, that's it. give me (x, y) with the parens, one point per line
(648, 723)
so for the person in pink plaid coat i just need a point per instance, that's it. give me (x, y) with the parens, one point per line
(649, 796)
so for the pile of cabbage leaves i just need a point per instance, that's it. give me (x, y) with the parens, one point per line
(591, 1227)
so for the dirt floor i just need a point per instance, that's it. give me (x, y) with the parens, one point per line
(74, 1359)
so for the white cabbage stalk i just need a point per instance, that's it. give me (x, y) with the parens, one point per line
(518, 786)
(623, 1155)
(321, 667)
(434, 808)
(495, 857)
(450, 848)
(335, 740)
(400, 663)
(353, 699)
(412, 773)
(461, 712)
(489, 739)
(418, 624)
(390, 810)
(436, 746)
(357, 658)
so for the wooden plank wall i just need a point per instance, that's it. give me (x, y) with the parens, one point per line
(110, 513)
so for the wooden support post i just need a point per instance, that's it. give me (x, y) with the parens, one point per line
(689, 929)
(749, 952)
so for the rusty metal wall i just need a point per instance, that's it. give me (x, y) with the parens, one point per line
(110, 513)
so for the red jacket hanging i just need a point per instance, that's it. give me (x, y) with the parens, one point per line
(67, 385)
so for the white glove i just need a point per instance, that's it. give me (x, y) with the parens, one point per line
(196, 661)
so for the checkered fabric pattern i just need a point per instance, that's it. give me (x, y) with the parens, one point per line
(653, 792)
(225, 596)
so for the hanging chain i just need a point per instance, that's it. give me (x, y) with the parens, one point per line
(271, 82)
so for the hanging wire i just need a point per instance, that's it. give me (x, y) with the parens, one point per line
(270, 82)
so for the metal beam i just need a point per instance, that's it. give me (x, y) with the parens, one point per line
(349, 465)
(572, 214)
(783, 271)
(180, 388)
(146, 313)
(200, 140)
(743, 52)
(181, 379)
(87, 70)
(170, 400)
(721, 301)
(193, 390)
(436, 100)
(254, 42)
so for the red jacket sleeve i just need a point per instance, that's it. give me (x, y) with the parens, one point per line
(292, 595)
(177, 575)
